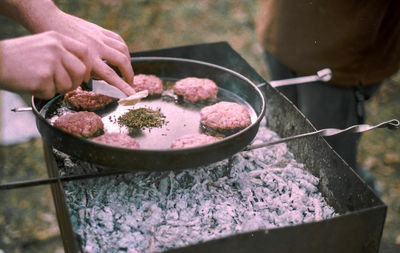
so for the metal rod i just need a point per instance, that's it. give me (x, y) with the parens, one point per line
(324, 75)
(37, 182)
(391, 124)
(23, 109)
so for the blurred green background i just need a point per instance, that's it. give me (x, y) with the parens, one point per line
(27, 217)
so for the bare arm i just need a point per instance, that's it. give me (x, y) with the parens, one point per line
(43, 15)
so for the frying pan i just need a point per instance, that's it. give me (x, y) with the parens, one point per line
(232, 86)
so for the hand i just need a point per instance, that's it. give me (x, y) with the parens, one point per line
(43, 64)
(43, 15)
(102, 45)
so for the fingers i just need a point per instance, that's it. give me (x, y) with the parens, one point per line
(46, 91)
(117, 45)
(112, 53)
(67, 75)
(77, 60)
(122, 62)
(72, 66)
(106, 73)
(62, 80)
(80, 51)
(50, 63)
(76, 70)
(112, 35)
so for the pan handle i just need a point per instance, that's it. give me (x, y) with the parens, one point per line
(21, 109)
(324, 75)
(391, 124)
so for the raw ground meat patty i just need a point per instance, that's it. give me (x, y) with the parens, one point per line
(192, 140)
(225, 116)
(195, 89)
(117, 139)
(151, 83)
(84, 124)
(87, 100)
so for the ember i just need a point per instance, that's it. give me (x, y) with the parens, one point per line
(145, 212)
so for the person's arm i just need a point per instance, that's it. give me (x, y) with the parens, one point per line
(43, 64)
(43, 15)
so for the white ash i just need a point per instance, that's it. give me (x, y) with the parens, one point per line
(146, 212)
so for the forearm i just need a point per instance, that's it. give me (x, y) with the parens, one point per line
(34, 15)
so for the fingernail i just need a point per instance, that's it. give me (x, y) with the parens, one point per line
(130, 91)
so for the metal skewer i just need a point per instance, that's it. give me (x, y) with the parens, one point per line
(391, 124)
(37, 182)
(23, 109)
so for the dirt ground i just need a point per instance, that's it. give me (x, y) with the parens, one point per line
(27, 217)
(379, 152)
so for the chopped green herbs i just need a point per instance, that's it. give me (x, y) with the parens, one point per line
(142, 118)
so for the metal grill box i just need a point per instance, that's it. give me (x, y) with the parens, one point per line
(357, 228)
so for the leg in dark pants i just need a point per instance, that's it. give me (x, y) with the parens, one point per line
(328, 106)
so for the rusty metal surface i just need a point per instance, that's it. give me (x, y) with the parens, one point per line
(68, 237)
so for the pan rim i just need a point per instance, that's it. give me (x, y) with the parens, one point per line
(260, 115)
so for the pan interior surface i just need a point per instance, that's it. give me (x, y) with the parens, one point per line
(181, 118)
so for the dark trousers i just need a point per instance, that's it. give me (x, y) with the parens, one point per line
(327, 106)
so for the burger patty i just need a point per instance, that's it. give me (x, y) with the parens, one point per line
(192, 140)
(195, 89)
(85, 100)
(151, 83)
(117, 139)
(83, 124)
(225, 116)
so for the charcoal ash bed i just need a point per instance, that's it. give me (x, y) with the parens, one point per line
(159, 211)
